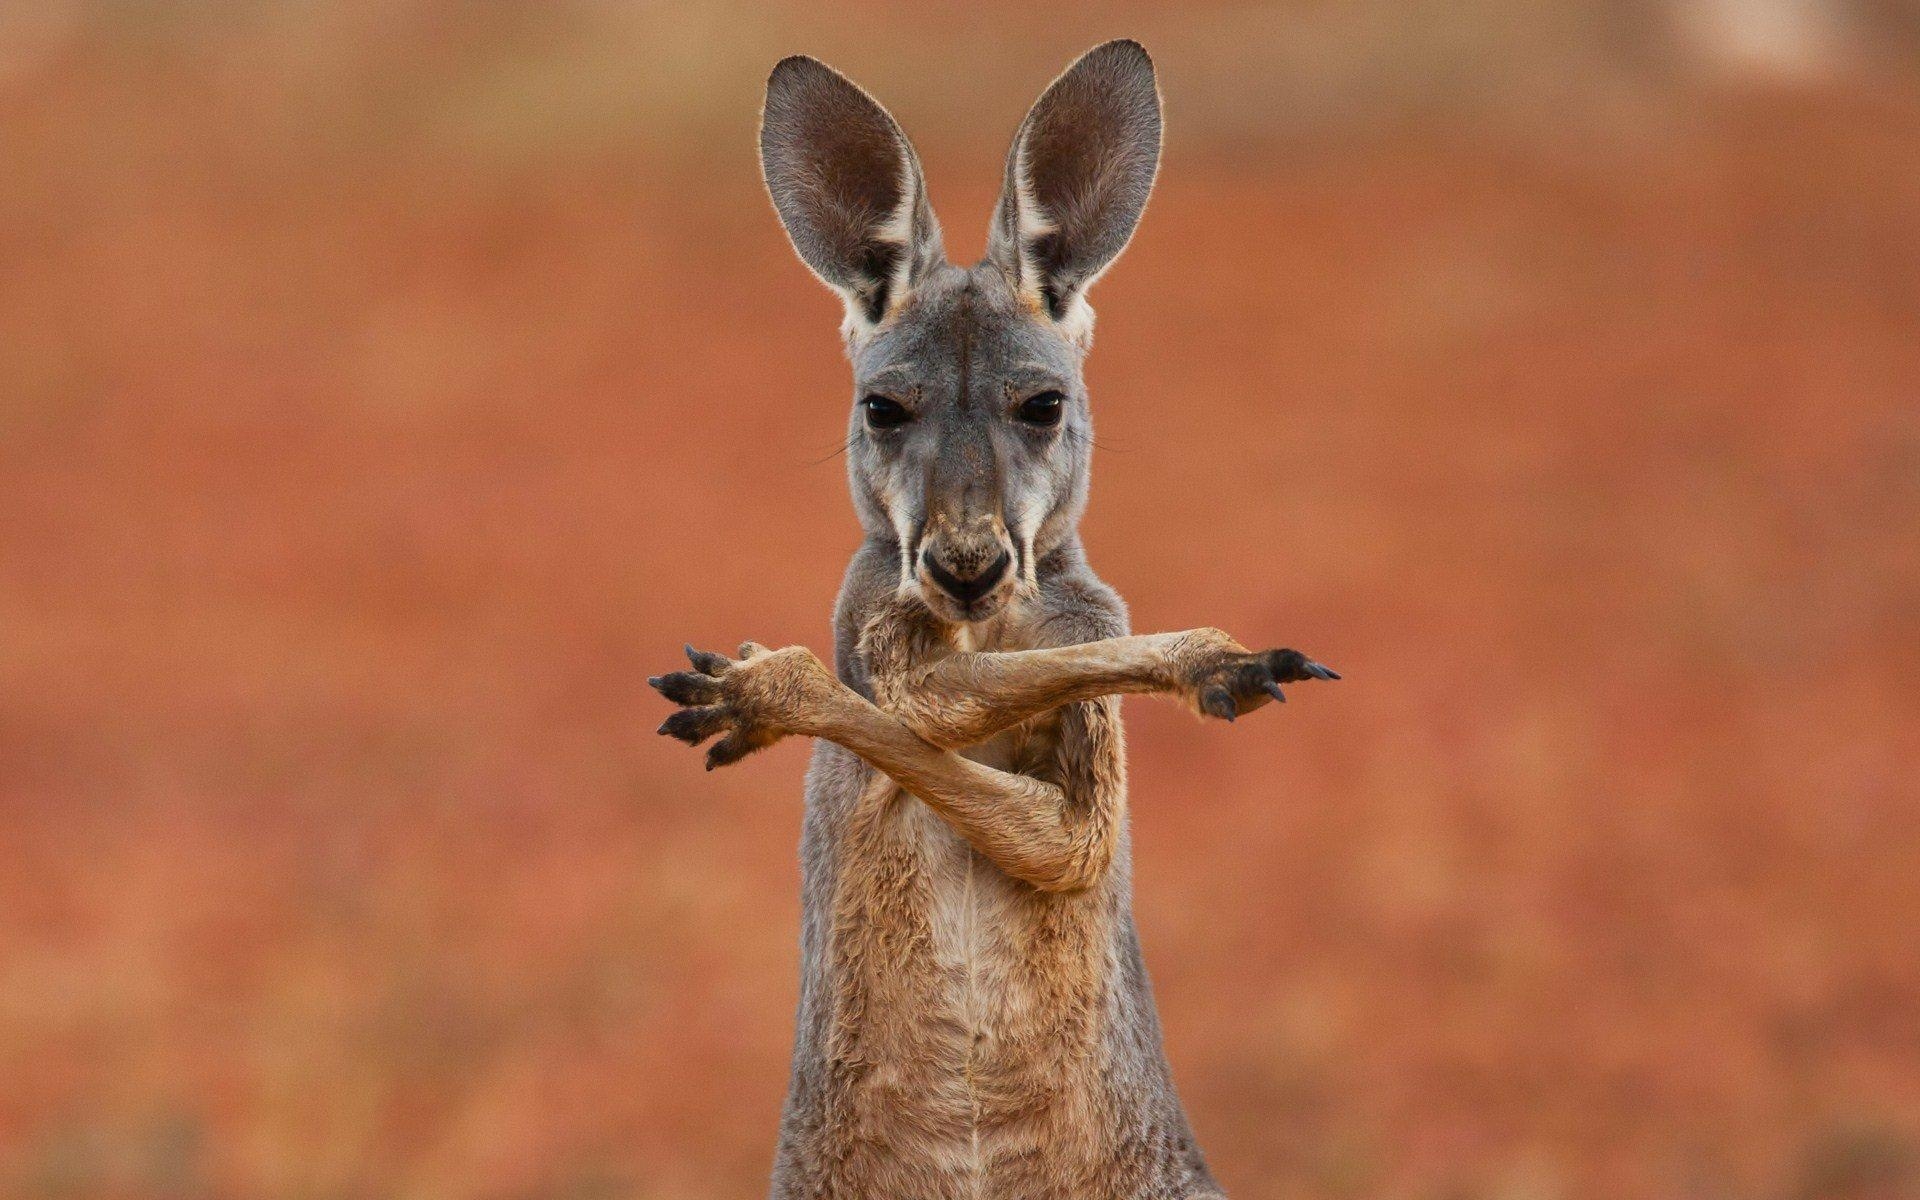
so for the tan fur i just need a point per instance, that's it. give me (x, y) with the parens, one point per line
(973, 914)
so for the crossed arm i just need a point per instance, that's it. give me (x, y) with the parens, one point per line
(1036, 830)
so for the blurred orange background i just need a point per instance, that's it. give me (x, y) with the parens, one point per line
(388, 387)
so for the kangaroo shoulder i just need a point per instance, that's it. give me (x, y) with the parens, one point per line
(1078, 606)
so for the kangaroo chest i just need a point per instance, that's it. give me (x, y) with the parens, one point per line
(1004, 954)
(971, 1002)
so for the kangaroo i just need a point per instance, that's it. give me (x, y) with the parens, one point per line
(975, 1020)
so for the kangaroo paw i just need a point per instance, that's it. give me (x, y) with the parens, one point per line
(1224, 680)
(751, 702)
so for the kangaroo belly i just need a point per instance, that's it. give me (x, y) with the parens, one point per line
(965, 1036)
(1003, 956)
(1022, 971)
(974, 1014)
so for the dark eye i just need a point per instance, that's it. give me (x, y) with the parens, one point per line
(1042, 409)
(883, 413)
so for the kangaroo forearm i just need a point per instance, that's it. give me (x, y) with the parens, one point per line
(964, 699)
(1018, 822)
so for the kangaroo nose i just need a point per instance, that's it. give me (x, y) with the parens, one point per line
(967, 590)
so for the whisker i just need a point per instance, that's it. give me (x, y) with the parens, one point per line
(836, 452)
(1088, 439)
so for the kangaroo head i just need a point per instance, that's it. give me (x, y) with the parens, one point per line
(970, 431)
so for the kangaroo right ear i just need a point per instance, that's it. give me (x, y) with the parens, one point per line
(848, 187)
(1077, 181)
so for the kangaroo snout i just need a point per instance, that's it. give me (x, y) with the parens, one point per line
(965, 566)
(969, 581)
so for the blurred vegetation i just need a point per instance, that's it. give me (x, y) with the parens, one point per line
(387, 388)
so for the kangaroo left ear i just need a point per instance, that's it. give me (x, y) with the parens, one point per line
(1078, 177)
(848, 187)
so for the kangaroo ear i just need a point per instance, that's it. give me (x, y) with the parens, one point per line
(1078, 176)
(848, 188)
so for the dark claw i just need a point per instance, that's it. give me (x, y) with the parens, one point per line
(1273, 689)
(1217, 701)
(687, 687)
(706, 661)
(1289, 666)
(729, 749)
(695, 725)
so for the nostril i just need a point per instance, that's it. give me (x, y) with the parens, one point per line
(967, 589)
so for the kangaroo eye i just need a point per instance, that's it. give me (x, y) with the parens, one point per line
(1042, 410)
(883, 413)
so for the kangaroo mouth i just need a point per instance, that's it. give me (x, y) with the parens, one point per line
(966, 592)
